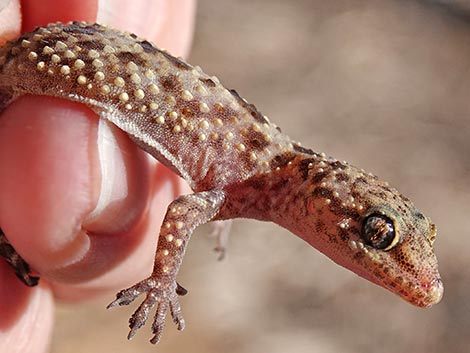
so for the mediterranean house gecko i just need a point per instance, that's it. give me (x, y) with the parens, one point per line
(236, 161)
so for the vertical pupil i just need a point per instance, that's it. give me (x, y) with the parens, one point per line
(378, 231)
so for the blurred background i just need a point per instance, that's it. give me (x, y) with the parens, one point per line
(382, 84)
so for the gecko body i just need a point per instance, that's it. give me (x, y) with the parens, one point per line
(236, 161)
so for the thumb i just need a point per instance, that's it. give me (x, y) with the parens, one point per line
(51, 190)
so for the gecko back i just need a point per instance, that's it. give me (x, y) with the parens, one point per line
(188, 120)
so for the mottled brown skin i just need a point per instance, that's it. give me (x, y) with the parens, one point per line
(237, 163)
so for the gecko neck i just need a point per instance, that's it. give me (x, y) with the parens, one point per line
(279, 194)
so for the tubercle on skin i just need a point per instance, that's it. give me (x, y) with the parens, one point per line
(238, 163)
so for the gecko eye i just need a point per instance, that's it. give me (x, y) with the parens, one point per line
(379, 232)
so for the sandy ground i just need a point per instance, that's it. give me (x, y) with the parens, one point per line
(382, 84)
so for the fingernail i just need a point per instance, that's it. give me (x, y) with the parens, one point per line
(136, 16)
(124, 183)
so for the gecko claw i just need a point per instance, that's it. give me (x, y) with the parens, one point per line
(221, 252)
(27, 279)
(156, 338)
(180, 290)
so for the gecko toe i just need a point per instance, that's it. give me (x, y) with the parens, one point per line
(159, 321)
(29, 280)
(124, 297)
(140, 316)
(19, 265)
(176, 314)
(156, 337)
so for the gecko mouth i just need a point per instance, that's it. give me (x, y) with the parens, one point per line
(423, 293)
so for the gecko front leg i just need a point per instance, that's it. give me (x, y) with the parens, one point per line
(161, 289)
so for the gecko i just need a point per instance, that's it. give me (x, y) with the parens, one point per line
(237, 163)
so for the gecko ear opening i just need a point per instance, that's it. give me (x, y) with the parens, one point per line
(378, 231)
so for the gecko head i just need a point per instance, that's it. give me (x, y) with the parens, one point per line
(395, 251)
(365, 225)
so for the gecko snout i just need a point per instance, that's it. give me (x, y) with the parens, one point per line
(434, 292)
(425, 294)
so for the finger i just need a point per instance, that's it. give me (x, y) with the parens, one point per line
(26, 318)
(20, 16)
(131, 266)
(71, 263)
(54, 208)
(27, 314)
(10, 25)
(169, 23)
(36, 13)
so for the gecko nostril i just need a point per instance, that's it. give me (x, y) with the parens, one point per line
(419, 215)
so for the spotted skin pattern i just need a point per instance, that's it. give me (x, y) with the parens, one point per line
(236, 161)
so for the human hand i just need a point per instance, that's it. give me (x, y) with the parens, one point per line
(78, 200)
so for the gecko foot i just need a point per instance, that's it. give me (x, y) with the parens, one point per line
(163, 296)
(19, 265)
(221, 231)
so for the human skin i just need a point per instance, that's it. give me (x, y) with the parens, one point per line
(60, 167)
